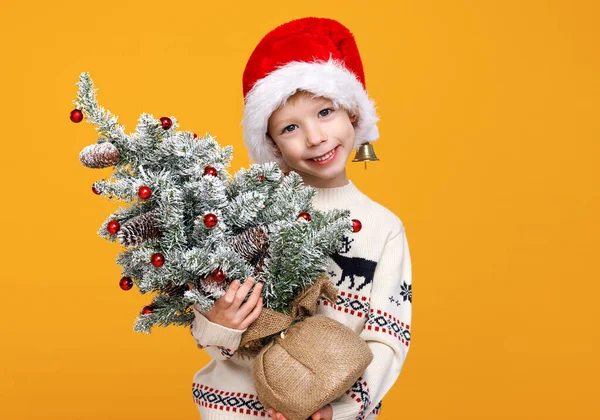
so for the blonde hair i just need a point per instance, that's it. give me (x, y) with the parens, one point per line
(307, 94)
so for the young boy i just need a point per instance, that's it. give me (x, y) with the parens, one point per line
(306, 108)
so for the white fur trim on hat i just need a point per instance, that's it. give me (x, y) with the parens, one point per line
(329, 79)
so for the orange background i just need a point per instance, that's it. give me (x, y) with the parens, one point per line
(489, 154)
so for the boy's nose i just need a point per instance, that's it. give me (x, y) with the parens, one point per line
(315, 137)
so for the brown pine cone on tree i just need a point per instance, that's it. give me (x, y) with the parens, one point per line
(173, 290)
(139, 229)
(99, 155)
(253, 246)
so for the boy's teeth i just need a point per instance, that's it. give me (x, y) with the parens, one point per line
(327, 156)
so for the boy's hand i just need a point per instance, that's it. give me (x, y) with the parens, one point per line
(323, 413)
(275, 414)
(228, 310)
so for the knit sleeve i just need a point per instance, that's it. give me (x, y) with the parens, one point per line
(386, 331)
(219, 342)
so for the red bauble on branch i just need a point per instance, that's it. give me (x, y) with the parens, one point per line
(210, 220)
(95, 190)
(144, 192)
(305, 216)
(126, 283)
(147, 310)
(166, 122)
(356, 225)
(157, 259)
(76, 116)
(261, 178)
(113, 226)
(209, 170)
(195, 135)
(218, 276)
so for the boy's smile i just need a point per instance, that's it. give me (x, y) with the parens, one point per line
(326, 158)
(314, 139)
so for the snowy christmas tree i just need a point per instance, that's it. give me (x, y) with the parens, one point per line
(187, 221)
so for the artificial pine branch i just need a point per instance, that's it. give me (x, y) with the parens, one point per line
(106, 123)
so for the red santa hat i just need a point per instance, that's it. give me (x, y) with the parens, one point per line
(317, 55)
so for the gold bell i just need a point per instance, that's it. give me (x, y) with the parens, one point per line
(365, 153)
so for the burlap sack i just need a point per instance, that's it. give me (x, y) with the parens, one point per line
(316, 361)
(312, 363)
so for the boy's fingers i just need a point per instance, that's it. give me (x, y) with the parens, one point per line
(276, 415)
(247, 307)
(242, 292)
(227, 299)
(252, 315)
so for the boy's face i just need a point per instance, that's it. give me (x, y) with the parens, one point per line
(307, 128)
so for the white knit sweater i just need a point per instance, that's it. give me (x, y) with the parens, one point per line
(373, 274)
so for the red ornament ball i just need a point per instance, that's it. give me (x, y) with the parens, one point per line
(195, 135)
(157, 259)
(126, 283)
(144, 192)
(209, 170)
(261, 178)
(146, 310)
(166, 122)
(210, 220)
(304, 215)
(356, 225)
(113, 226)
(218, 276)
(76, 116)
(95, 190)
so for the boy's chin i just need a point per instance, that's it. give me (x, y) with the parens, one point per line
(328, 174)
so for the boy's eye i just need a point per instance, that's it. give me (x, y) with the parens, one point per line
(325, 112)
(289, 128)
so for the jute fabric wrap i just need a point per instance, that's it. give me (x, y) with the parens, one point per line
(312, 363)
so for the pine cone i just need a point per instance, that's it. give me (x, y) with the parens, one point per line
(139, 229)
(252, 245)
(173, 290)
(99, 155)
